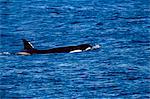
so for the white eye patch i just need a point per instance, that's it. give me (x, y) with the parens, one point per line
(88, 48)
(75, 51)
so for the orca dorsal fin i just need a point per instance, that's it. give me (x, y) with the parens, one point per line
(27, 45)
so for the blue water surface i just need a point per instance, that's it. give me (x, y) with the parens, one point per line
(119, 69)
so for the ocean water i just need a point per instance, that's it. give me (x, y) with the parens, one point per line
(120, 69)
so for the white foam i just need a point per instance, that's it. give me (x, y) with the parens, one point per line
(96, 47)
(4, 53)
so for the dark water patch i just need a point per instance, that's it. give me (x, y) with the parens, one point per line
(99, 24)
(140, 41)
(75, 22)
(135, 18)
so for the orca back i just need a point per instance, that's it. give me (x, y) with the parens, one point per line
(29, 49)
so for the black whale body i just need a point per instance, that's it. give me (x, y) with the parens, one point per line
(29, 49)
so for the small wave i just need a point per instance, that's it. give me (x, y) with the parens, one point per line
(5, 53)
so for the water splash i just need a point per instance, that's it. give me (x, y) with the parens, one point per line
(96, 47)
(5, 53)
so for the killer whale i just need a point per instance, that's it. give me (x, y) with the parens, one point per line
(29, 49)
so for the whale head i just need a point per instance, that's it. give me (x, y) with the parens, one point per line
(85, 47)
